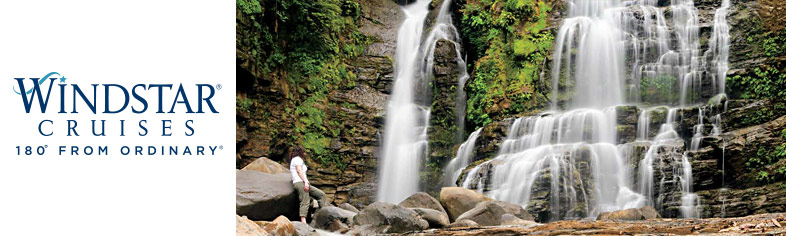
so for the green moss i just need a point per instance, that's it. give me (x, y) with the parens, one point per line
(508, 43)
(307, 45)
(658, 89)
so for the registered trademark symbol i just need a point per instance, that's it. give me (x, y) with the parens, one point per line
(46, 146)
(219, 86)
(221, 147)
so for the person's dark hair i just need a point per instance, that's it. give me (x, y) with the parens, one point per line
(296, 151)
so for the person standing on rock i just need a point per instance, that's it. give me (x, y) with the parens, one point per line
(300, 181)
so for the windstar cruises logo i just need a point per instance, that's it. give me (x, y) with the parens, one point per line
(194, 101)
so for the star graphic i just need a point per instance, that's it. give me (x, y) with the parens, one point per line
(62, 79)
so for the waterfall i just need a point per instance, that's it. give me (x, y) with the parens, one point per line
(567, 163)
(463, 158)
(406, 139)
(405, 142)
(719, 47)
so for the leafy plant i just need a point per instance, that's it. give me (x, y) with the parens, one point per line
(507, 45)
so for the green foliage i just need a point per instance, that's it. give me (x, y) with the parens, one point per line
(249, 6)
(508, 45)
(770, 164)
(658, 89)
(765, 82)
(243, 104)
(307, 44)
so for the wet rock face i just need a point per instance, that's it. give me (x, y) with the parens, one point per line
(443, 133)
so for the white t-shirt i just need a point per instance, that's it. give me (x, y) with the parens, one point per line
(296, 161)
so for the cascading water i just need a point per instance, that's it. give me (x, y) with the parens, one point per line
(405, 141)
(463, 158)
(406, 137)
(719, 47)
(570, 161)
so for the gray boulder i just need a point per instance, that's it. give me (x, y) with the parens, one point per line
(262, 196)
(333, 218)
(462, 223)
(515, 210)
(422, 200)
(385, 218)
(304, 229)
(435, 218)
(348, 207)
(487, 213)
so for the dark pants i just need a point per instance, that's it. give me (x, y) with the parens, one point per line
(305, 200)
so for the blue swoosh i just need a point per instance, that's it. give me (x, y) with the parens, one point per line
(40, 82)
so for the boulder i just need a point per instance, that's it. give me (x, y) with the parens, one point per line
(487, 213)
(457, 200)
(512, 220)
(304, 229)
(649, 213)
(385, 218)
(462, 223)
(246, 227)
(643, 213)
(262, 196)
(348, 207)
(333, 219)
(281, 226)
(422, 200)
(515, 210)
(435, 218)
(265, 165)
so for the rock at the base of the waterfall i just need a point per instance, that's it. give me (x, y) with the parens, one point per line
(457, 200)
(627, 214)
(333, 218)
(516, 210)
(265, 165)
(391, 218)
(362, 230)
(348, 207)
(304, 229)
(262, 196)
(462, 223)
(649, 213)
(336, 226)
(512, 220)
(246, 227)
(422, 200)
(487, 213)
(435, 218)
(281, 226)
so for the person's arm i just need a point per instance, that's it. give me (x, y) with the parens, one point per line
(302, 177)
